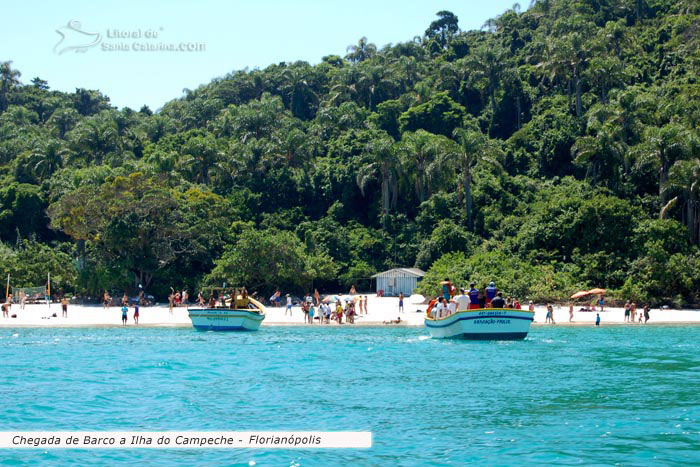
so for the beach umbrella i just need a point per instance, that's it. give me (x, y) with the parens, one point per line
(596, 291)
(416, 299)
(581, 293)
(330, 299)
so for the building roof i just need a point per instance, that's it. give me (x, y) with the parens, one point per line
(402, 271)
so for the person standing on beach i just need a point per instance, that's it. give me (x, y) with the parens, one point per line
(339, 312)
(64, 307)
(305, 309)
(136, 313)
(646, 313)
(22, 299)
(633, 310)
(125, 310)
(366, 312)
(289, 306)
(125, 299)
(597, 319)
(602, 302)
(353, 291)
(6, 310)
(531, 306)
(400, 302)
(571, 312)
(106, 300)
(627, 311)
(171, 301)
(311, 313)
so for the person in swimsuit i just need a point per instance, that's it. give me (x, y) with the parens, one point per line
(125, 310)
(64, 307)
(401, 302)
(136, 313)
(106, 300)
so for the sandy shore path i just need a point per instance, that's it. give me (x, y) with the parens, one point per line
(381, 309)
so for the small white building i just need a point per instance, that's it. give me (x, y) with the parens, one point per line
(397, 280)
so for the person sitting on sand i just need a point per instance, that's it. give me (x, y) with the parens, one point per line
(394, 321)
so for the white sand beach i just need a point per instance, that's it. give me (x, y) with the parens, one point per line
(381, 309)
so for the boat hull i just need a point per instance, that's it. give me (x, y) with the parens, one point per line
(482, 324)
(222, 319)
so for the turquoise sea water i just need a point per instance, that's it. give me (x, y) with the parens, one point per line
(565, 396)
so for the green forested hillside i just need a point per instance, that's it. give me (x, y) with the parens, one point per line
(556, 148)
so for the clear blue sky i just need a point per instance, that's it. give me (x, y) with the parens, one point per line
(236, 34)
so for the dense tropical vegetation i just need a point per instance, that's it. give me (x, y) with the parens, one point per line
(554, 149)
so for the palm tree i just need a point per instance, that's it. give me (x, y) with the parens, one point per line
(362, 51)
(383, 162)
(9, 78)
(472, 149)
(420, 151)
(48, 158)
(297, 91)
(684, 179)
(200, 153)
(64, 119)
(664, 146)
(488, 63)
(602, 153)
(374, 83)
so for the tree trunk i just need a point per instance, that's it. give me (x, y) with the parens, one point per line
(663, 176)
(385, 195)
(468, 197)
(578, 97)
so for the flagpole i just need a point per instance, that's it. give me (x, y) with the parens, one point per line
(7, 289)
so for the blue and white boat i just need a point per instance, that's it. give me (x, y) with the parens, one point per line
(247, 315)
(482, 324)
